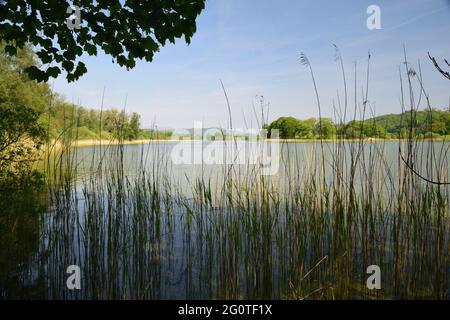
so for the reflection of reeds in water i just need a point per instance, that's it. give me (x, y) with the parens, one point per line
(309, 232)
(141, 236)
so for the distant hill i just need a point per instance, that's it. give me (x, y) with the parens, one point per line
(436, 121)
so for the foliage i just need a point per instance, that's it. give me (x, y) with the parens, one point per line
(127, 31)
(325, 128)
(155, 134)
(23, 199)
(434, 120)
(290, 127)
(89, 123)
(287, 126)
(31, 115)
(21, 102)
(356, 129)
(20, 134)
(16, 87)
(425, 123)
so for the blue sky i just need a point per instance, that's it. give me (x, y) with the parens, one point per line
(253, 46)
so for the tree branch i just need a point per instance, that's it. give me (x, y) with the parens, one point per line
(446, 74)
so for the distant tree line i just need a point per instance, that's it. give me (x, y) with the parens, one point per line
(432, 123)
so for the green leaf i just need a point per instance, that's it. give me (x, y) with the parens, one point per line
(11, 50)
(90, 49)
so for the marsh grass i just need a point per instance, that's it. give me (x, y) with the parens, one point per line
(309, 232)
(142, 236)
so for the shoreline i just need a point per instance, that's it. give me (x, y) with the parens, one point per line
(104, 142)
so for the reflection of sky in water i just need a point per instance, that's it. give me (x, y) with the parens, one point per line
(174, 260)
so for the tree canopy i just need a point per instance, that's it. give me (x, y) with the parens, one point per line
(126, 30)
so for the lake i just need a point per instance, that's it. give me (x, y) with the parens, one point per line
(248, 220)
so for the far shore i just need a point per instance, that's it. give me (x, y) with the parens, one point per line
(104, 142)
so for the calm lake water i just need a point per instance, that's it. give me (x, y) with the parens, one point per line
(285, 159)
(165, 220)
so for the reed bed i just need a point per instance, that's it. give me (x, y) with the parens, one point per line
(141, 230)
(238, 234)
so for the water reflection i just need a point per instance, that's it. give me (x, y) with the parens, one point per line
(141, 227)
(20, 234)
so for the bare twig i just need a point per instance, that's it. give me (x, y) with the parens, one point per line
(446, 74)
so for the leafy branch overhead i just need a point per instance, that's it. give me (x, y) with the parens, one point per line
(126, 30)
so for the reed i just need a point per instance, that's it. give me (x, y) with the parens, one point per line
(141, 230)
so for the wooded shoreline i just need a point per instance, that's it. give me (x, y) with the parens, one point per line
(104, 142)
